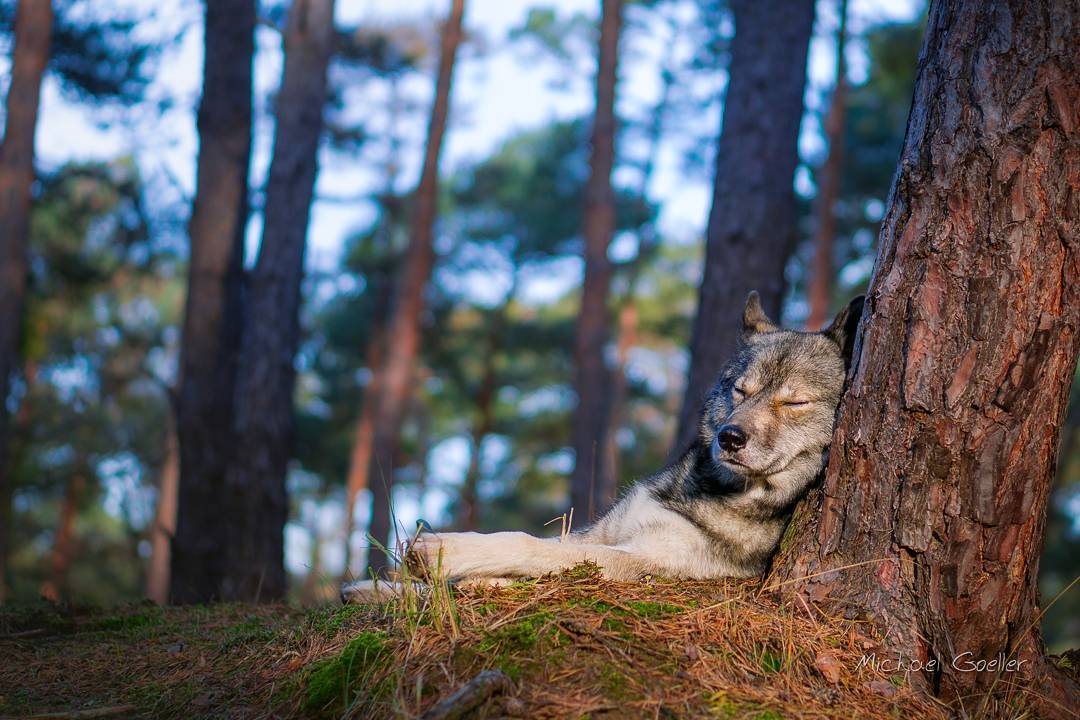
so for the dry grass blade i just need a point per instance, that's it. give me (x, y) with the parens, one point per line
(570, 645)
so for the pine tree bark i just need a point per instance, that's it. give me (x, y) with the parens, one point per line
(254, 556)
(404, 327)
(946, 442)
(751, 227)
(590, 493)
(214, 308)
(819, 294)
(164, 527)
(33, 28)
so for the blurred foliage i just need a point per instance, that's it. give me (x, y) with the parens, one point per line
(107, 291)
(1059, 566)
(95, 54)
(876, 119)
(99, 331)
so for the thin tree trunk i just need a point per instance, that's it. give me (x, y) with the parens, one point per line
(255, 483)
(364, 438)
(947, 440)
(819, 294)
(751, 228)
(589, 492)
(164, 527)
(647, 243)
(214, 307)
(55, 587)
(484, 423)
(404, 326)
(628, 328)
(33, 28)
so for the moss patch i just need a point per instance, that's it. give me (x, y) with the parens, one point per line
(353, 676)
(574, 645)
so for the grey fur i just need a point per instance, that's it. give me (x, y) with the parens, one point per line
(717, 511)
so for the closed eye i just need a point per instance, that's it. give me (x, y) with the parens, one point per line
(796, 403)
(737, 394)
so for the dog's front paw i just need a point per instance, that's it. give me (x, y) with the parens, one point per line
(449, 555)
(366, 591)
(425, 556)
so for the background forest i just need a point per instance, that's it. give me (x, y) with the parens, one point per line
(483, 430)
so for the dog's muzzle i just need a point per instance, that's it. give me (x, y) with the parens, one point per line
(731, 438)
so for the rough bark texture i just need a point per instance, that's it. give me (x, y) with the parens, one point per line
(254, 556)
(819, 294)
(33, 26)
(164, 527)
(214, 308)
(404, 328)
(946, 442)
(751, 228)
(590, 493)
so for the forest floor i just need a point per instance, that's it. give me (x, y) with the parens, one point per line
(566, 646)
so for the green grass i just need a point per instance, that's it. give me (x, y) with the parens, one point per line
(573, 645)
(350, 678)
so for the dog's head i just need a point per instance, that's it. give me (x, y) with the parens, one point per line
(776, 399)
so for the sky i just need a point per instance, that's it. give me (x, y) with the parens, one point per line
(498, 92)
(500, 89)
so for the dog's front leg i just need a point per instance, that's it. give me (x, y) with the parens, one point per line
(516, 554)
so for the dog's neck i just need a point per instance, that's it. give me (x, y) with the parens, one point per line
(712, 479)
(750, 495)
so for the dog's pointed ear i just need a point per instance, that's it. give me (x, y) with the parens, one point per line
(754, 319)
(844, 326)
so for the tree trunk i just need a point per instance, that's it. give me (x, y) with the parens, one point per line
(648, 242)
(263, 429)
(214, 308)
(484, 424)
(404, 327)
(164, 527)
(364, 436)
(751, 227)
(589, 492)
(33, 28)
(946, 442)
(819, 294)
(628, 328)
(55, 587)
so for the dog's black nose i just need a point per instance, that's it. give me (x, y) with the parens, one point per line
(731, 437)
